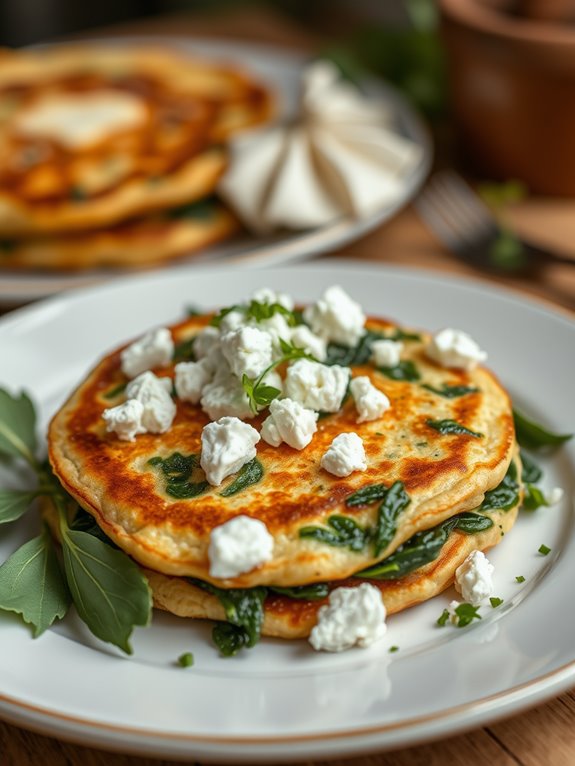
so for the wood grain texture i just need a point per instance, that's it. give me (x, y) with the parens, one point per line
(544, 736)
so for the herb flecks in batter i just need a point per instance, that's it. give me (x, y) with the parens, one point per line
(405, 370)
(447, 427)
(178, 470)
(249, 474)
(450, 392)
(341, 532)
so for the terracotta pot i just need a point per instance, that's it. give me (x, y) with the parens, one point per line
(512, 83)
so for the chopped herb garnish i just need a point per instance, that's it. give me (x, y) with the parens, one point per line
(186, 660)
(544, 550)
(450, 392)
(451, 427)
(495, 602)
(394, 649)
(466, 613)
(520, 578)
(443, 618)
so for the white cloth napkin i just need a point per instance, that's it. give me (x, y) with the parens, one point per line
(340, 156)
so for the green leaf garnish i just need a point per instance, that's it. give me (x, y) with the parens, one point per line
(186, 660)
(520, 578)
(178, 470)
(394, 502)
(405, 370)
(506, 495)
(450, 392)
(32, 585)
(533, 498)
(394, 649)
(442, 619)
(451, 427)
(314, 592)
(534, 436)
(466, 613)
(14, 503)
(366, 495)
(544, 550)
(249, 474)
(17, 427)
(344, 532)
(495, 602)
(258, 311)
(531, 473)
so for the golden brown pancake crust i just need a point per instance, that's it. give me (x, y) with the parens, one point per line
(442, 474)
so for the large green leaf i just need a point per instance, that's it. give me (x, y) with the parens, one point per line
(17, 426)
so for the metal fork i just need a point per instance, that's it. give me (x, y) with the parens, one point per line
(467, 227)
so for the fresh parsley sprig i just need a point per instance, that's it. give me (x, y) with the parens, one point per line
(258, 311)
(110, 593)
(261, 395)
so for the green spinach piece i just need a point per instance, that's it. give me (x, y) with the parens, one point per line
(506, 495)
(450, 392)
(533, 498)
(344, 532)
(531, 473)
(405, 370)
(184, 351)
(115, 391)
(394, 502)
(229, 638)
(451, 427)
(250, 473)
(178, 470)
(314, 592)
(366, 495)
(534, 436)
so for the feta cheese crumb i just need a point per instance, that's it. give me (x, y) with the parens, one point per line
(155, 349)
(232, 321)
(370, 402)
(453, 616)
(205, 341)
(303, 337)
(289, 422)
(154, 394)
(345, 455)
(227, 445)
(267, 295)
(225, 396)
(336, 317)
(191, 378)
(125, 419)
(353, 617)
(386, 353)
(473, 579)
(316, 386)
(248, 351)
(238, 546)
(455, 348)
(554, 496)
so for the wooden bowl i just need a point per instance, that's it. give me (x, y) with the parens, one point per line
(512, 86)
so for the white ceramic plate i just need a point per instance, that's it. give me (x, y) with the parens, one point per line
(282, 701)
(281, 70)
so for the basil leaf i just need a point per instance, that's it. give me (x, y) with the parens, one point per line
(405, 370)
(505, 496)
(17, 427)
(530, 471)
(250, 473)
(344, 533)
(178, 470)
(533, 498)
(451, 427)
(32, 585)
(110, 592)
(366, 495)
(450, 392)
(244, 608)
(229, 638)
(534, 436)
(395, 501)
(313, 592)
(14, 503)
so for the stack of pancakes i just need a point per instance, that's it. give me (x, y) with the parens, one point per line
(110, 155)
(444, 474)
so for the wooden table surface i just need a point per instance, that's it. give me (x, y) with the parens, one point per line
(544, 735)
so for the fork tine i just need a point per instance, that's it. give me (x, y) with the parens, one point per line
(461, 193)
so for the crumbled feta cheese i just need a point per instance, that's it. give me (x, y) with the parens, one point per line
(227, 445)
(155, 349)
(125, 419)
(225, 396)
(207, 339)
(317, 386)
(353, 617)
(370, 402)
(154, 394)
(473, 579)
(455, 348)
(344, 455)
(303, 337)
(289, 422)
(267, 295)
(217, 362)
(277, 327)
(248, 351)
(386, 353)
(238, 546)
(232, 321)
(191, 378)
(554, 496)
(336, 317)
